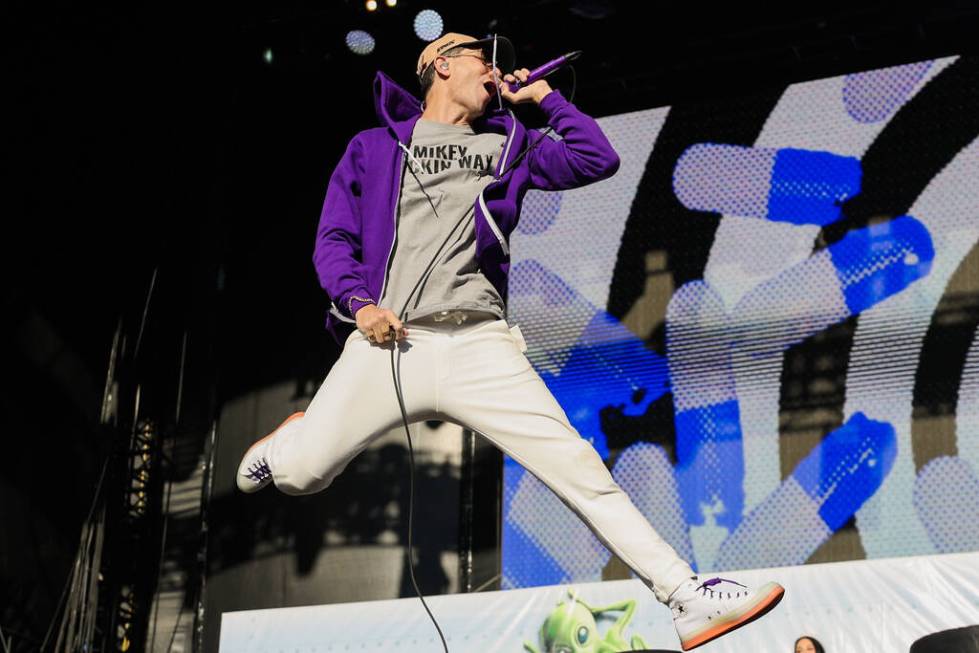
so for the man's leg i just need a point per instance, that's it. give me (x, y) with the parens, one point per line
(354, 405)
(494, 390)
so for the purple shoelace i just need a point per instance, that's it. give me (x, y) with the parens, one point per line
(259, 471)
(707, 586)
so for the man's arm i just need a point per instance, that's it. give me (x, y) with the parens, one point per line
(337, 254)
(582, 156)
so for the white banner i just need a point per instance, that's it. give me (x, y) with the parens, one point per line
(851, 607)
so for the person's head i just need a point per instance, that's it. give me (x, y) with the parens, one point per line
(808, 644)
(458, 69)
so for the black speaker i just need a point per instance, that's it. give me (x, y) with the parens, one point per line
(957, 640)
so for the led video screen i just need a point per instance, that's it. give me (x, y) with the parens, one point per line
(765, 323)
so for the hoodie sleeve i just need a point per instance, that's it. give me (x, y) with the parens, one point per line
(583, 156)
(337, 254)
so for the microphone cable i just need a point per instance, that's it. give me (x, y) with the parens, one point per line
(396, 378)
(396, 365)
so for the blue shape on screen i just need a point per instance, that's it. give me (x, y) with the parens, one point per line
(525, 564)
(710, 461)
(607, 365)
(820, 495)
(808, 187)
(881, 260)
(848, 467)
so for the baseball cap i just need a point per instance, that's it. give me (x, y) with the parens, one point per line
(506, 57)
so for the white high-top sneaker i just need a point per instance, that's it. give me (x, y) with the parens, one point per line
(254, 472)
(703, 611)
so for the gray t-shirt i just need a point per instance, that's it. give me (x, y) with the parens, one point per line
(451, 164)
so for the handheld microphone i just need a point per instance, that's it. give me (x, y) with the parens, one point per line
(545, 70)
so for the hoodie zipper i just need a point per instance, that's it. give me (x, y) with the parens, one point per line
(333, 307)
(492, 224)
(394, 212)
(506, 150)
(482, 200)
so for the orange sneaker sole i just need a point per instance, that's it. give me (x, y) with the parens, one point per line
(762, 608)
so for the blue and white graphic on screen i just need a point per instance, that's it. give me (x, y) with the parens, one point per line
(766, 324)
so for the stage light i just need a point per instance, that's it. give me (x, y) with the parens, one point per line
(371, 5)
(428, 25)
(267, 55)
(391, 3)
(360, 42)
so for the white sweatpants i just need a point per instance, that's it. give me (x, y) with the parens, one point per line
(474, 375)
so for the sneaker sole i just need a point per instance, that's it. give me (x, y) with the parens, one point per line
(759, 610)
(258, 487)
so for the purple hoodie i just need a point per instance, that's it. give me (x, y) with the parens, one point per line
(356, 232)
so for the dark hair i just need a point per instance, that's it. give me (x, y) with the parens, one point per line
(815, 642)
(427, 79)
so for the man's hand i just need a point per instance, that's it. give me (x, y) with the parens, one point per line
(379, 324)
(532, 93)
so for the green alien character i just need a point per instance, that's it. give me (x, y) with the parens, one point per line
(571, 628)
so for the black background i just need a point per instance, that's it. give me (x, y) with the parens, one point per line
(156, 137)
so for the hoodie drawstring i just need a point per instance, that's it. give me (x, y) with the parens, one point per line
(411, 157)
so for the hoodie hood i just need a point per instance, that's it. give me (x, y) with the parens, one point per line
(392, 103)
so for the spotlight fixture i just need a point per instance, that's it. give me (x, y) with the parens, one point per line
(371, 5)
(428, 25)
(391, 3)
(360, 42)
